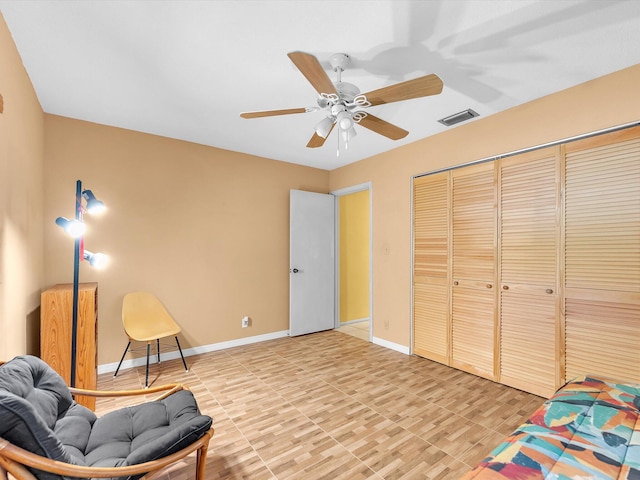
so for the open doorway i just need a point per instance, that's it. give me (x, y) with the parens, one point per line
(353, 261)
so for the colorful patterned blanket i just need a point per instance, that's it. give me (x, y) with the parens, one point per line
(590, 429)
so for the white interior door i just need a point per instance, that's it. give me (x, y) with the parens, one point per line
(312, 262)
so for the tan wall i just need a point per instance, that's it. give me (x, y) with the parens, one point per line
(207, 230)
(609, 101)
(21, 180)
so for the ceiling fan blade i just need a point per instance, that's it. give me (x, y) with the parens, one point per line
(271, 113)
(317, 141)
(416, 88)
(382, 127)
(310, 67)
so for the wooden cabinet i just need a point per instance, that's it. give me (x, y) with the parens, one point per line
(56, 314)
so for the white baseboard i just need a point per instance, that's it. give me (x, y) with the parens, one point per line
(137, 362)
(392, 346)
(357, 320)
(172, 355)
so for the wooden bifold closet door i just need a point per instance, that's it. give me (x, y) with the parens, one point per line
(527, 269)
(473, 292)
(431, 222)
(602, 257)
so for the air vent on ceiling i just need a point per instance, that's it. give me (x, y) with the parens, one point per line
(458, 117)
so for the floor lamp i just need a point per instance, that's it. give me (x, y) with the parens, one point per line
(76, 228)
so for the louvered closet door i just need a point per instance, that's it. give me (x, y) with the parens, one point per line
(474, 268)
(529, 241)
(431, 267)
(602, 258)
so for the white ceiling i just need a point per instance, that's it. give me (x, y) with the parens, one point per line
(187, 69)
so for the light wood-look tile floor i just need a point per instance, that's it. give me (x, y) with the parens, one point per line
(333, 406)
(357, 329)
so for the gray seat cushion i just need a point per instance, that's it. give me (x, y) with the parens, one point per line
(37, 413)
(73, 430)
(146, 432)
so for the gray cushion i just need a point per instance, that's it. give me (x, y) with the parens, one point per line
(73, 431)
(38, 414)
(146, 432)
(33, 400)
(32, 379)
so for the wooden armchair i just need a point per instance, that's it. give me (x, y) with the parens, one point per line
(45, 435)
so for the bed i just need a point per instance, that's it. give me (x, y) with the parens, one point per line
(589, 429)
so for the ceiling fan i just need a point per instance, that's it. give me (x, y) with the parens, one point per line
(341, 101)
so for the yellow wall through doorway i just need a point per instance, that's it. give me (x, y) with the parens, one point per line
(354, 256)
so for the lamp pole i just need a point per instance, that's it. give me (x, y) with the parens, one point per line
(75, 228)
(78, 244)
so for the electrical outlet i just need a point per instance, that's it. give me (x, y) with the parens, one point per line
(245, 322)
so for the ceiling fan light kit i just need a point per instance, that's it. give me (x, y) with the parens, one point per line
(339, 100)
(323, 128)
(345, 122)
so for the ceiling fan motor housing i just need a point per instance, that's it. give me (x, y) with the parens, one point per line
(347, 91)
(339, 61)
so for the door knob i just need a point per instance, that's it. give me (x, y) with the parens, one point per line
(506, 287)
(294, 270)
(549, 291)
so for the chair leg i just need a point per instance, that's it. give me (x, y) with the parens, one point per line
(158, 348)
(122, 359)
(146, 376)
(186, 369)
(201, 461)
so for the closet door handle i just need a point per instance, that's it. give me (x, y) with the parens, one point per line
(505, 287)
(489, 285)
(549, 291)
(455, 283)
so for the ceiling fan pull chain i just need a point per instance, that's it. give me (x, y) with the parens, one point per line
(347, 137)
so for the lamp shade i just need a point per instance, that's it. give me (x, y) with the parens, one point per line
(324, 127)
(345, 122)
(97, 260)
(75, 228)
(94, 205)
